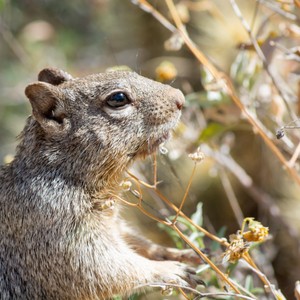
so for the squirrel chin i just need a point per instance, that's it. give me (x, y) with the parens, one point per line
(152, 145)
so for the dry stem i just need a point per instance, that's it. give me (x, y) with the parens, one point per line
(186, 193)
(223, 80)
(262, 57)
(172, 225)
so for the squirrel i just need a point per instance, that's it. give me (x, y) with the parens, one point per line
(59, 238)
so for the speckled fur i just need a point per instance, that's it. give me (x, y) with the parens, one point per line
(55, 241)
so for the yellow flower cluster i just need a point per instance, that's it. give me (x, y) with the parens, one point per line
(240, 242)
(256, 233)
(236, 248)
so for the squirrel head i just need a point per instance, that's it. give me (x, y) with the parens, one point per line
(105, 118)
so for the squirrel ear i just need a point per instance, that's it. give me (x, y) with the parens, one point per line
(47, 107)
(54, 76)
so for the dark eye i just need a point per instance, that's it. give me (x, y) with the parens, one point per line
(117, 100)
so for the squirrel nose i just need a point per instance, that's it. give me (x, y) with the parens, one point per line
(179, 103)
(178, 97)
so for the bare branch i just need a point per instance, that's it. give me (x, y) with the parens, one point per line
(261, 55)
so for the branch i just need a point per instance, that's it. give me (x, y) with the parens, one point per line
(224, 81)
(262, 57)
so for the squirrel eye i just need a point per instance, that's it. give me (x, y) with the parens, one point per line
(117, 100)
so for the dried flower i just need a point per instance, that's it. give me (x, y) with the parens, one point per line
(240, 242)
(174, 43)
(236, 248)
(257, 232)
(198, 156)
(126, 185)
(166, 71)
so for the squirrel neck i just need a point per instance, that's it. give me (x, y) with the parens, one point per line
(91, 170)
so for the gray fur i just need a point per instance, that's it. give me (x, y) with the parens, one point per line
(56, 240)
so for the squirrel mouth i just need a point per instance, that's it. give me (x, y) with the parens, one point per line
(152, 144)
(155, 144)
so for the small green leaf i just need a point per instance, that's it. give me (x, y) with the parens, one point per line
(197, 216)
(249, 283)
(212, 130)
(257, 291)
(207, 99)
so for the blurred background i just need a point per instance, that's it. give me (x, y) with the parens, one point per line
(240, 176)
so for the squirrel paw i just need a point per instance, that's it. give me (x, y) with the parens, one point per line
(177, 273)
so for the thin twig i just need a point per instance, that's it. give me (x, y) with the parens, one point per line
(183, 293)
(145, 6)
(198, 54)
(295, 156)
(261, 55)
(278, 10)
(263, 199)
(231, 197)
(186, 193)
(225, 81)
(254, 268)
(14, 45)
(246, 256)
(242, 288)
(201, 229)
(200, 295)
(205, 258)
(173, 225)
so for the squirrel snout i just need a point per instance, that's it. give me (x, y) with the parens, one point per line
(179, 103)
(178, 98)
